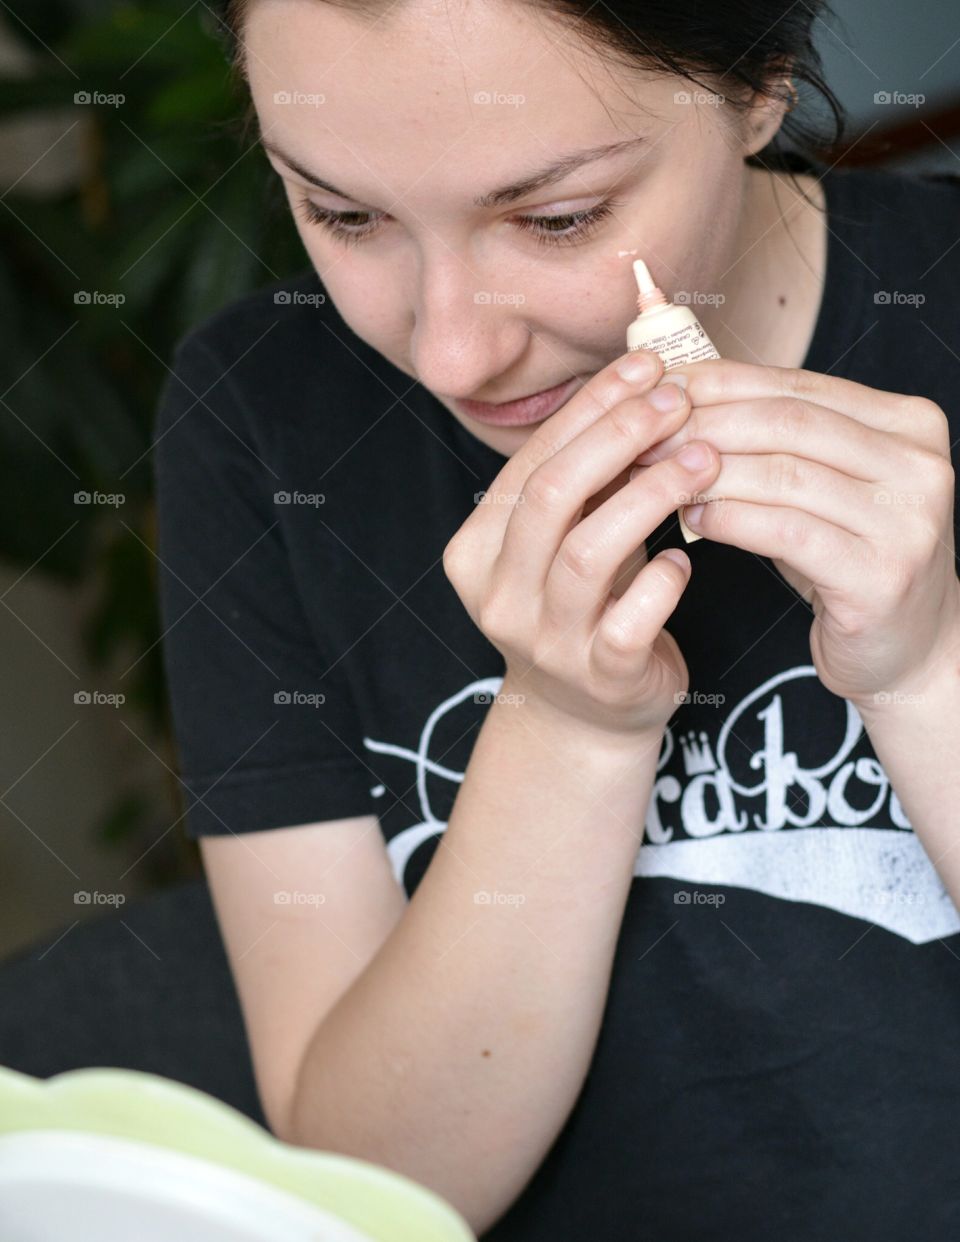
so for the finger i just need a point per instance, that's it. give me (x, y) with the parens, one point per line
(802, 429)
(630, 627)
(716, 381)
(780, 479)
(555, 494)
(822, 552)
(585, 567)
(484, 528)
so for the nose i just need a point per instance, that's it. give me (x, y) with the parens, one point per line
(469, 330)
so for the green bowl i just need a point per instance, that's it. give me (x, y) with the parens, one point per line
(105, 1155)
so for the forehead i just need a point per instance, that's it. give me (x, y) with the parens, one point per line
(437, 98)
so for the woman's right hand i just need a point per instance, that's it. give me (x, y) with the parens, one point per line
(537, 569)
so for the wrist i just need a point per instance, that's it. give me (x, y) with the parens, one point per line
(579, 735)
(930, 687)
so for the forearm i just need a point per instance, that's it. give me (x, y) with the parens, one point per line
(457, 1055)
(916, 737)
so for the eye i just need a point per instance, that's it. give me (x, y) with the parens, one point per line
(351, 227)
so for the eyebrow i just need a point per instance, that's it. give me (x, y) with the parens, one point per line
(547, 175)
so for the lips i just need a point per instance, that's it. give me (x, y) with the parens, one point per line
(532, 409)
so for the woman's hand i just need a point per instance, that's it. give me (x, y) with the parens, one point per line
(849, 490)
(538, 566)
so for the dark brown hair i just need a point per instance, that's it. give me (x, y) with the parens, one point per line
(735, 48)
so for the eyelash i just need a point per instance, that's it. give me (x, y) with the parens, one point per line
(582, 223)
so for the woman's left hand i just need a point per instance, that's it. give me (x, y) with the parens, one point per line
(849, 491)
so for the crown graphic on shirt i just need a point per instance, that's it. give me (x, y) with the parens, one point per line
(697, 756)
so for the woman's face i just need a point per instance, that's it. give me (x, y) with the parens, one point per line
(416, 116)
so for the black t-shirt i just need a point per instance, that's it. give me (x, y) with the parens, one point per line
(780, 1048)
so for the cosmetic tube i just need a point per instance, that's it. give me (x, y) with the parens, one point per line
(673, 332)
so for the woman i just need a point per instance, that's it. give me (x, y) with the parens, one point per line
(587, 924)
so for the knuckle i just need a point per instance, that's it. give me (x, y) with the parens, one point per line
(793, 417)
(787, 473)
(617, 637)
(452, 559)
(792, 532)
(623, 422)
(942, 474)
(926, 419)
(796, 382)
(545, 489)
(579, 556)
(493, 618)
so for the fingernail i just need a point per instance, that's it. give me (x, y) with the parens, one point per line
(674, 377)
(694, 456)
(689, 534)
(633, 473)
(636, 367)
(665, 397)
(692, 514)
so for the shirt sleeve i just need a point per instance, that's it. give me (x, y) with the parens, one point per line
(256, 747)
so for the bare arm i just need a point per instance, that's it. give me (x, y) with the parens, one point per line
(457, 1055)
